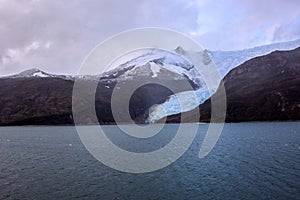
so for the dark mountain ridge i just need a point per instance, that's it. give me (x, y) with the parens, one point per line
(47, 99)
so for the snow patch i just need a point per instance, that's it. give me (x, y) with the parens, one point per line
(155, 69)
(40, 74)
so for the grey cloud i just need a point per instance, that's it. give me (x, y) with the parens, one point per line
(289, 30)
(72, 28)
(56, 35)
(239, 24)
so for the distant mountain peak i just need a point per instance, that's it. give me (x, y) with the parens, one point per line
(34, 72)
(157, 63)
(179, 50)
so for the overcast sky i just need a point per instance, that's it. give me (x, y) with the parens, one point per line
(56, 35)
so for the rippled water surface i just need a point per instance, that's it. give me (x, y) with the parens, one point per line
(250, 161)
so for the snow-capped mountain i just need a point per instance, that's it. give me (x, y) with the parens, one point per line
(153, 60)
(265, 88)
(156, 63)
(224, 62)
(35, 72)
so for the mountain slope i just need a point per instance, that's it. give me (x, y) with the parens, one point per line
(224, 61)
(36, 98)
(265, 88)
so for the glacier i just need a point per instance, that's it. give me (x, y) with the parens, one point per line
(177, 103)
(224, 62)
